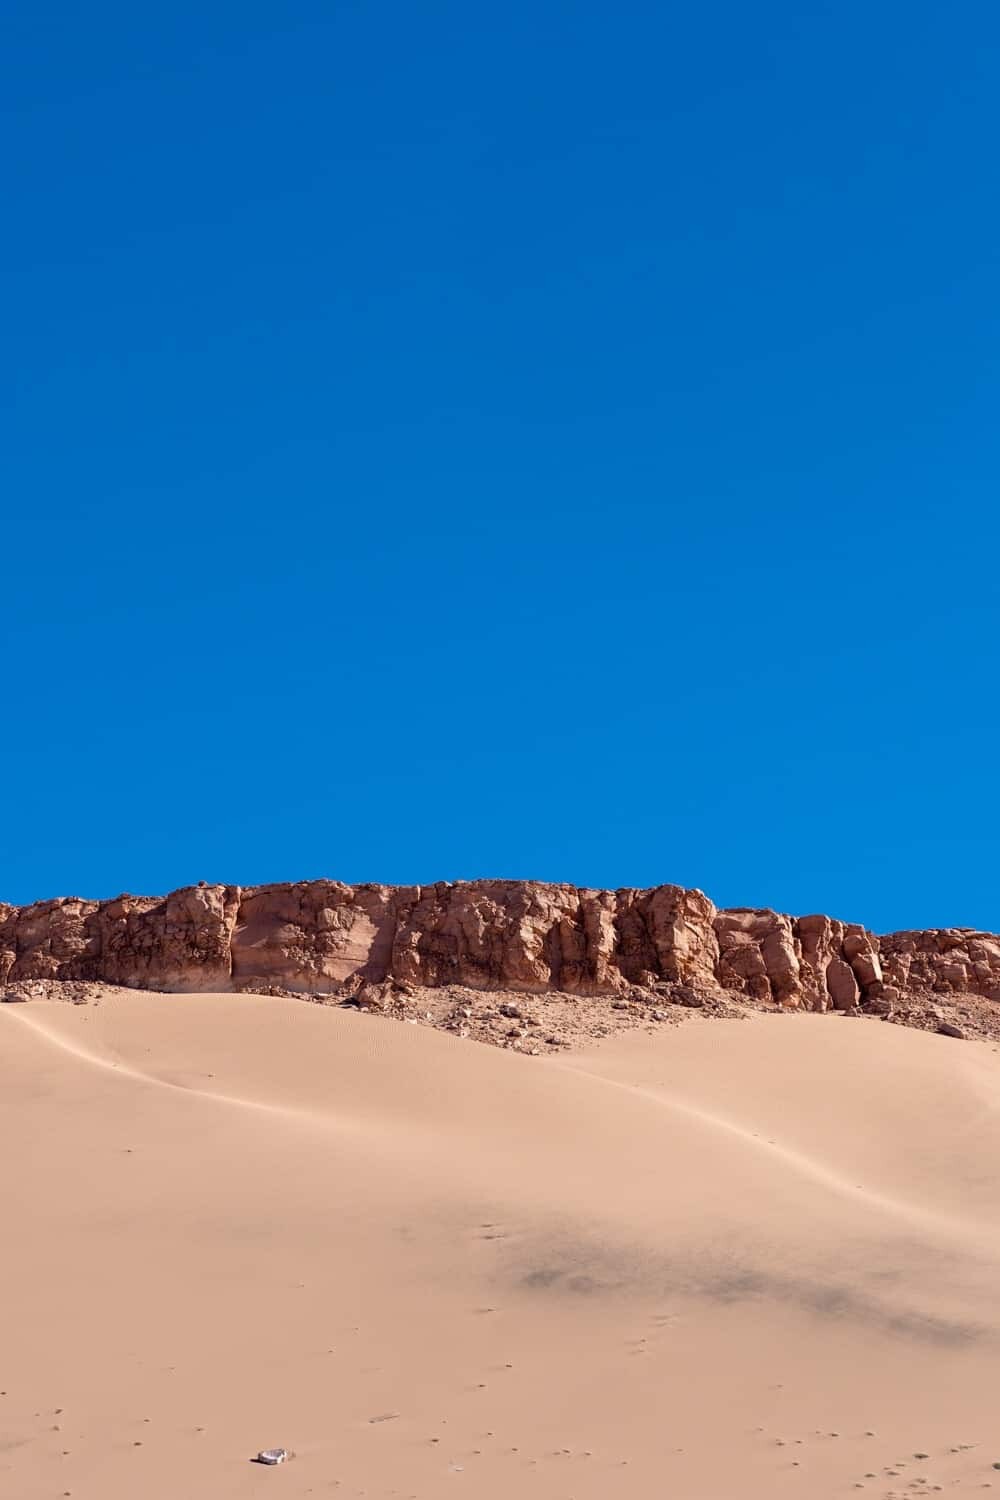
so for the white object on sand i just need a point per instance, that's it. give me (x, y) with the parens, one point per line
(272, 1455)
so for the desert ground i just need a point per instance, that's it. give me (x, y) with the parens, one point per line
(732, 1258)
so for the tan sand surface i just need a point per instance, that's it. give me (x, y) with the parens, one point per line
(753, 1258)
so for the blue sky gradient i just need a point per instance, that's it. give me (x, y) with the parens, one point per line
(552, 440)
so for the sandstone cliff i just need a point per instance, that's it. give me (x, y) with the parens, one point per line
(323, 937)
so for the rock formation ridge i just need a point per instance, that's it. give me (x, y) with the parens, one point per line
(323, 937)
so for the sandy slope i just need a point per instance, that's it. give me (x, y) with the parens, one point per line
(753, 1258)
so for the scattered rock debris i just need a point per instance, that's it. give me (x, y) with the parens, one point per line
(541, 1022)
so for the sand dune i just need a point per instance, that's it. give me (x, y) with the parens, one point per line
(749, 1258)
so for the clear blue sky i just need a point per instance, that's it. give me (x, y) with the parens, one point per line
(540, 439)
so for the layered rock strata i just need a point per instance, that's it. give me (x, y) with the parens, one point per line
(323, 937)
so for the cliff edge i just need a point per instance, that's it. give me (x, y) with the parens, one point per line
(663, 945)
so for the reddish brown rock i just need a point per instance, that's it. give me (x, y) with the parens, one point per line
(809, 963)
(52, 939)
(488, 933)
(758, 954)
(324, 937)
(668, 932)
(315, 934)
(820, 941)
(183, 942)
(842, 985)
(943, 960)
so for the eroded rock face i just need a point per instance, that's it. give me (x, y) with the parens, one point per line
(321, 936)
(183, 942)
(943, 960)
(314, 935)
(812, 963)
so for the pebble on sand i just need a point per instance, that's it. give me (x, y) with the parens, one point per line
(272, 1456)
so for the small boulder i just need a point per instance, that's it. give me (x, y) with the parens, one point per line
(841, 984)
(685, 995)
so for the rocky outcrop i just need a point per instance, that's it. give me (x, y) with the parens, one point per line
(323, 937)
(178, 942)
(941, 961)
